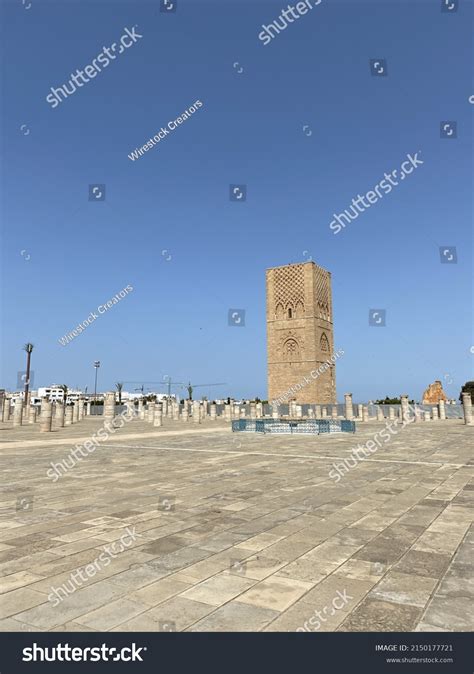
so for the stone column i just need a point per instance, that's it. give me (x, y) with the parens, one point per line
(391, 413)
(32, 414)
(5, 411)
(310, 412)
(68, 414)
(175, 412)
(227, 413)
(151, 412)
(88, 410)
(253, 411)
(46, 416)
(236, 412)
(184, 412)
(275, 414)
(158, 420)
(427, 415)
(196, 414)
(140, 408)
(417, 414)
(435, 414)
(59, 415)
(405, 407)
(213, 412)
(18, 412)
(365, 413)
(360, 411)
(324, 413)
(334, 412)
(467, 408)
(317, 411)
(259, 410)
(109, 406)
(380, 416)
(242, 412)
(298, 412)
(442, 409)
(349, 409)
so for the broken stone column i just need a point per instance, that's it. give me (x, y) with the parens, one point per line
(334, 412)
(59, 415)
(259, 410)
(275, 414)
(349, 410)
(380, 416)
(435, 413)
(185, 413)
(236, 412)
(253, 411)
(360, 411)
(242, 412)
(213, 412)
(405, 407)
(310, 412)
(46, 416)
(109, 406)
(299, 412)
(68, 415)
(88, 411)
(196, 412)
(227, 412)
(18, 412)
(141, 412)
(317, 411)
(467, 408)
(32, 414)
(324, 413)
(5, 408)
(427, 415)
(175, 412)
(158, 420)
(442, 409)
(391, 413)
(365, 413)
(151, 412)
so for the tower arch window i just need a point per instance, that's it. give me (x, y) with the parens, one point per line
(324, 343)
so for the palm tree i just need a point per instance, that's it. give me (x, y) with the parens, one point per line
(28, 348)
(119, 387)
(65, 390)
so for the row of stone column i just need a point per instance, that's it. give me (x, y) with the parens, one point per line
(63, 416)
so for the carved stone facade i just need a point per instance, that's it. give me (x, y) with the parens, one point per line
(300, 334)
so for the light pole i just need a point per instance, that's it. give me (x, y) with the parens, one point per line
(96, 365)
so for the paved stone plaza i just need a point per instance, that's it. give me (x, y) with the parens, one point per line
(238, 532)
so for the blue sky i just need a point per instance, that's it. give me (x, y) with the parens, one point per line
(64, 255)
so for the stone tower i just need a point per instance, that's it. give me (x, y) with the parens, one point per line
(300, 334)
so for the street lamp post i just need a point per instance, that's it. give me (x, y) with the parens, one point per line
(96, 365)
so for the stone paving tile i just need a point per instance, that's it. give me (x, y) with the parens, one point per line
(219, 589)
(235, 617)
(261, 513)
(112, 614)
(173, 615)
(379, 616)
(275, 593)
(400, 588)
